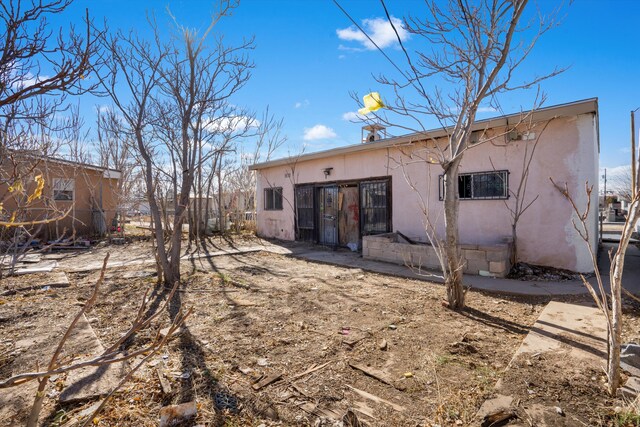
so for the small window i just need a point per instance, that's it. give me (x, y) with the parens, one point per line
(273, 199)
(480, 185)
(63, 189)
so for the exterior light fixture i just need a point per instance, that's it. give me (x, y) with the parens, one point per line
(327, 171)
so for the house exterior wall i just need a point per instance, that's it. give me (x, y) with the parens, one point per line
(567, 151)
(93, 189)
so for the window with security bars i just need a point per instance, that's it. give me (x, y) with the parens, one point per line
(492, 185)
(273, 199)
(374, 207)
(304, 207)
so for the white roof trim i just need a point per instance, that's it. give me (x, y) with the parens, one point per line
(562, 110)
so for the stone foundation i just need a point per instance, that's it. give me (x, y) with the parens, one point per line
(486, 260)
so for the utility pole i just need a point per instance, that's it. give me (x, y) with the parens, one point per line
(604, 205)
(633, 153)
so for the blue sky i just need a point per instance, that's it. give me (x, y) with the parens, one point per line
(305, 71)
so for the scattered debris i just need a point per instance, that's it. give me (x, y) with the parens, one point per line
(350, 419)
(377, 374)
(353, 339)
(226, 402)
(269, 379)
(460, 347)
(393, 327)
(498, 417)
(321, 412)
(491, 410)
(530, 272)
(176, 414)
(262, 362)
(164, 384)
(246, 371)
(43, 267)
(377, 399)
(308, 371)
(383, 345)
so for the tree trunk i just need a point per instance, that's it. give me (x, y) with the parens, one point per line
(221, 221)
(453, 271)
(153, 204)
(514, 243)
(617, 268)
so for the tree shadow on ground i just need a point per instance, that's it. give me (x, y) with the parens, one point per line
(494, 321)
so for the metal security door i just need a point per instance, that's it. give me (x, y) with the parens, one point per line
(328, 212)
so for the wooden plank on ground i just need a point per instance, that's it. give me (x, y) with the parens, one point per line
(377, 374)
(376, 399)
(308, 371)
(269, 379)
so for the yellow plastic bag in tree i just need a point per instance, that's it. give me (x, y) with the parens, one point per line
(372, 102)
(37, 193)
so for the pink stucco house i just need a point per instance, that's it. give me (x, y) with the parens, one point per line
(340, 197)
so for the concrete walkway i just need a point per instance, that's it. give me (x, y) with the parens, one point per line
(346, 258)
(343, 257)
(563, 332)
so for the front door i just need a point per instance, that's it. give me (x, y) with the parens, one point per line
(328, 215)
(349, 216)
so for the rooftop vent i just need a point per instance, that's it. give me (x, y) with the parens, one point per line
(373, 132)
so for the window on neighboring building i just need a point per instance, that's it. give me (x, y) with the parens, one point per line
(374, 207)
(481, 185)
(63, 188)
(273, 199)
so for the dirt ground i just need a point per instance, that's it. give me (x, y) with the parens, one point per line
(262, 314)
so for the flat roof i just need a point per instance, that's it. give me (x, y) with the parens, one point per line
(575, 108)
(107, 172)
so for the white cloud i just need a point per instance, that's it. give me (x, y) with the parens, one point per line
(352, 116)
(28, 80)
(487, 110)
(231, 124)
(299, 104)
(318, 132)
(380, 31)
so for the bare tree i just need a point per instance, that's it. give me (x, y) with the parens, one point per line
(39, 69)
(241, 179)
(610, 303)
(179, 92)
(520, 201)
(133, 67)
(116, 150)
(472, 52)
(196, 83)
(620, 182)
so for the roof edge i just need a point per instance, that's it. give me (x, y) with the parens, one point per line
(584, 106)
(46, 158)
